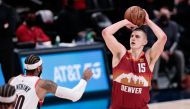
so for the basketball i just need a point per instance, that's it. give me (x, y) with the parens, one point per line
(136, 15)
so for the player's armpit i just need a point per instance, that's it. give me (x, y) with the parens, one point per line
(49, 86)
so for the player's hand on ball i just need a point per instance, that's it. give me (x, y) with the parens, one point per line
(146, 17)
(135, 15)
(87, 74)
(130, 25)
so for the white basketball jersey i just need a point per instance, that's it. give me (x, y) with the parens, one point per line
(26, 93)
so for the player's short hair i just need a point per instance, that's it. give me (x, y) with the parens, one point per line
(7, 95)
(142, 29)
(31, 59)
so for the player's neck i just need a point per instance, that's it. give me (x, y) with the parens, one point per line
(31, 74)
(135, 53)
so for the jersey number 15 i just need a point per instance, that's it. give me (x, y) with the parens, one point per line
(141, 67)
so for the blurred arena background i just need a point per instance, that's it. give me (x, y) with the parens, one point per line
(67, 35)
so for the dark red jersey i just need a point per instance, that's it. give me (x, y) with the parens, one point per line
(131, 83)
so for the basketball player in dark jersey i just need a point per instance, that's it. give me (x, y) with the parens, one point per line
(132, 69)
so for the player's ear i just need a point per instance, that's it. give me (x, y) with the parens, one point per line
(145, 42)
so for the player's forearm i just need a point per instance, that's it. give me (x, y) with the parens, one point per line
(115, 27)
(72, 94)
(157, 30)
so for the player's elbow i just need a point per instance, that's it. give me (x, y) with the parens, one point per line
(105, 32)
(76, 96)
(164, 38)
(75, 99)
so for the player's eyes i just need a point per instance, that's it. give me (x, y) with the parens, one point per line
(137, 36)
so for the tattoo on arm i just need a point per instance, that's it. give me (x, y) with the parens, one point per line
(49, 86)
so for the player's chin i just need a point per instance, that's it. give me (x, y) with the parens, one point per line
(134, 47)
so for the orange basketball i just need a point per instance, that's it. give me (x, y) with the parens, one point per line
(136, 15)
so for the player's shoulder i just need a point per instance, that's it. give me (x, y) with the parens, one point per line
(10, 80)
(41, 82)
(46, 85)
(13, 78)
(123, 53)
(118, 57)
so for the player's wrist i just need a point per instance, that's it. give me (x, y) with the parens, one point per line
(148, 21)
(84, 79)
(126, 21)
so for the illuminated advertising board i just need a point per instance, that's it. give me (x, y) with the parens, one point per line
(2, 81)
(66, 68)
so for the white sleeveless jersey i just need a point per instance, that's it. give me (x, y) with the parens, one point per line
(25, 90)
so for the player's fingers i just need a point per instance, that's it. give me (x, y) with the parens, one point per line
(134, 27)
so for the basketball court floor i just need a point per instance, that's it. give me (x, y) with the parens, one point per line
(104, 104)
(178, 104)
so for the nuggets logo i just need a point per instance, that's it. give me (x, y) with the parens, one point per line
(132, 80)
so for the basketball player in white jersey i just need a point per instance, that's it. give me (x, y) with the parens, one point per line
(31, 90)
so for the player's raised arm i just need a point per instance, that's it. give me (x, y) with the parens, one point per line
(158, 47)
(73, 94)
(108, 35)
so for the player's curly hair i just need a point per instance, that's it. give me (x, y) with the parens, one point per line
(6, 91)
(31, 59)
